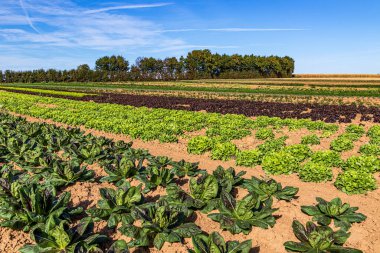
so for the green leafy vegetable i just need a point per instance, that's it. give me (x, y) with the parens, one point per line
(116, 205)
(239, 216)
(267, 189)
(342, 214)
(215, 243)
(318, 239)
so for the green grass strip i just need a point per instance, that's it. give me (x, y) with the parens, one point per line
(44, 91)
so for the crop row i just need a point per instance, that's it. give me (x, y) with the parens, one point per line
(46, 92)
(39, 161)
(323, 112)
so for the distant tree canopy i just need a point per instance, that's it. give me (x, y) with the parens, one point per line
(198, 64)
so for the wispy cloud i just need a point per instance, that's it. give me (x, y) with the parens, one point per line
(27, 16)
(125, 7)
(234, 29)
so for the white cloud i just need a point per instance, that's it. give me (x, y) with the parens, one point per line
(30, 22)
(234, 29)
(125, 7)
(62, 23)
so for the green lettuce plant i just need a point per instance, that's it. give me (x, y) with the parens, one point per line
(240, 216)
(315, 172)
(202, 195)
(116, 205)
(267, 189)
(342, 214)
(159, 224)
(355, 182)
(216, 243)
(59, 237)
(321, 239)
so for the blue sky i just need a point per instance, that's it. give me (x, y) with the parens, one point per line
(323, 36)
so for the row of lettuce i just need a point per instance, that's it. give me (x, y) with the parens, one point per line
(39, 161)
(273, 155)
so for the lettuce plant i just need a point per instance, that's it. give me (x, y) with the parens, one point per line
(183, 168)
(315, 172)
(116, 205)
(281, 162)
(240, 216)
(355, 182)
(248, 158)
(60, 237)
(272, 145)
(223, 151)
(356, 130)
(267, 189)
(33, 207)
(216, 243)
(153, 177)
(199, 145)
(159, 224)
(370, 149)
(312, 139)
(342, 144)
(327, 157)
(264, 134)
(203, 193)
(364, 163)
(342, 214)
(321, 239)
(87, 152)
(299, 151)
(64, 173)
(121, 168)
(228, 178)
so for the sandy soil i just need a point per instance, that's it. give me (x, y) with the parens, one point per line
(365, 236)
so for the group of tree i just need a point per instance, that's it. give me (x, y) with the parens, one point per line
(198, 64)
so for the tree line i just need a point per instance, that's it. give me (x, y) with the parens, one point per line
(198, 64)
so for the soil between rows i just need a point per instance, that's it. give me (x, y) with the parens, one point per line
(365, 236)
(327, 113)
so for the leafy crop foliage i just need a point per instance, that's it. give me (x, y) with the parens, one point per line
(272, 145)
(35, 149)
(216, 243)
(342, 214)
(315, 172)
(355, 182)
(203, 195)
(315, 238)
(281, 162)
(299, 151)
(364, 163)
(145, 123)
(248, 158)
(310, 140)
(60, 237)
(269, 189)
(116, 205)
(342, 143)
(239, 216)
(159, 224)
(370, 149)
(25, 207)
(223, 151)
(327, 157)
(199, 145)
(264, 134)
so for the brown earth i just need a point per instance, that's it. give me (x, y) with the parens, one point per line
(365, 236)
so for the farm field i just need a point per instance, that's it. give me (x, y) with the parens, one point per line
(153, 167)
